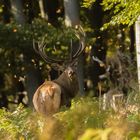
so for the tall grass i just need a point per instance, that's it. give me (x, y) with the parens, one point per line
(84, 120)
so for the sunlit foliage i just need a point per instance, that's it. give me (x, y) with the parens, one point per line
(85, 120)
(122, 11)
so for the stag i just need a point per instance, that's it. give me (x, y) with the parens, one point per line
(51, 95)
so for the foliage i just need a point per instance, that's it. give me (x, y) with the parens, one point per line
(17, 125)
(84, 113)
(121, 74)
(16, 48)
(87, 3)
(123, 12)
(20, 37)
(84, 120)
(17, 41)
(96, 134)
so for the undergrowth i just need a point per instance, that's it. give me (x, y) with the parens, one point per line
(84, 120)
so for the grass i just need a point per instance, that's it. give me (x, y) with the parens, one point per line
(84, 120)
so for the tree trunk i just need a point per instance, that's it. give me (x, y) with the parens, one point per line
(33, 74)
(71, 13)
(137, 36)
(71, 19)
(33, 81)
(6, 11)
(132, 42)
(32, 11)
(51, 7)
(42, 9)
(17, 11)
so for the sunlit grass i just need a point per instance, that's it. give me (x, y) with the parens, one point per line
(84, 120)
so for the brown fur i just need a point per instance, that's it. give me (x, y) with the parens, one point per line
(52, 94)
(46, 99)
(69, 86)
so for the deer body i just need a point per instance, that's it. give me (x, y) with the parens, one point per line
(52, 94)
(46, 99)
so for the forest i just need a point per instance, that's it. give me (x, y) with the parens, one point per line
(70, 69)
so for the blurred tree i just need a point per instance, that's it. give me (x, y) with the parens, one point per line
(19, 16)
(132, 42)
(72, 13)
(17, 11)
(54, 10)
(31, 10)
(42, 9)
(137, 34)
(6, 11)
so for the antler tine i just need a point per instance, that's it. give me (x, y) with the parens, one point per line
(34, 47)
(49, 58)
(81, 36)
(80, 31)
(38, 49)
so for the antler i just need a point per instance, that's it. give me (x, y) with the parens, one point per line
(40, 49)
(80, 34)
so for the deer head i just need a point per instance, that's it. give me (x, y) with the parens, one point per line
(52, 94)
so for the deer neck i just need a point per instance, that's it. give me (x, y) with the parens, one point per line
(68, 85)
(68, 90)
(63, 80)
